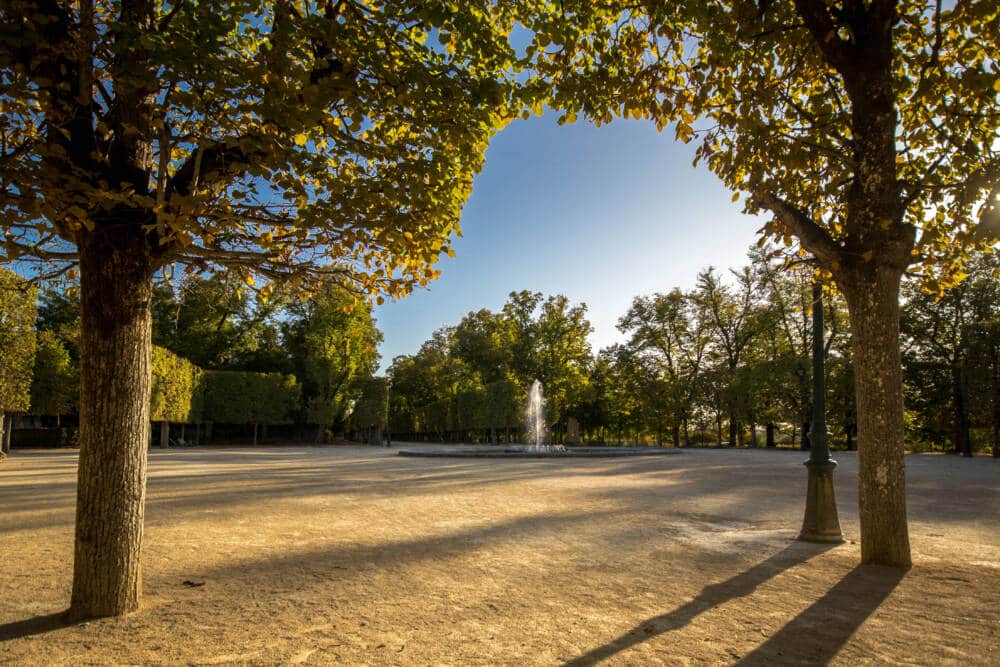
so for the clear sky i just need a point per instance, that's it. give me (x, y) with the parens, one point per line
(598, 214)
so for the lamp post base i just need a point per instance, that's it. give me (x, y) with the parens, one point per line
(821, 523)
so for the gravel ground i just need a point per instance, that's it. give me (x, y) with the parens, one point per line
(355, 555)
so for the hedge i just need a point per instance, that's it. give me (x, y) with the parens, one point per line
(240, 397)
(184, 393)
(17, 341)
(176, 394)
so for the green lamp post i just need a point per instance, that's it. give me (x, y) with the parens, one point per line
(821, 523)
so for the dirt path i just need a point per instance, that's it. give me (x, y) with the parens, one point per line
(354, 555)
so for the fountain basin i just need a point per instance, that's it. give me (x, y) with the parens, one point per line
(528, 452)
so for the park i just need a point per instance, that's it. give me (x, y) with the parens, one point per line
(775, 244)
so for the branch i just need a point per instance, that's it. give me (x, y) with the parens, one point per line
(814, 238)
(211, 163)
(821, 26)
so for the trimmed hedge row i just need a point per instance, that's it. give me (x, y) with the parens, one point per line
(184, 393)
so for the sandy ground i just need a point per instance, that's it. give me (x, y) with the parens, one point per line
(355, 555)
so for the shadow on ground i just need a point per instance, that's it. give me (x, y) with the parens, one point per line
(813, 637)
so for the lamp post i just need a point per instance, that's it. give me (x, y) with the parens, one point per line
(821, 523)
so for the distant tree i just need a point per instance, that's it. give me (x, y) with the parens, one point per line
(667, 328)
(981, 343)
(209, 321)
(332, 343)
(18, 311)
(933, 327)
(55, 379)
(482, 341)
(59, 312)
(735, 320)
(562, 357)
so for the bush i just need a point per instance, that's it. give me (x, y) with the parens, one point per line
(239, 397)
(176, 394)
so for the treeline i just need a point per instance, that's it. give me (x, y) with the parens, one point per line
(726, 362)
(222, 355)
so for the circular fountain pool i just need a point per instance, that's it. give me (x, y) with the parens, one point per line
(531, 452)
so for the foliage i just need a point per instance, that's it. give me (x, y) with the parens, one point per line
(59, 313)
(934, 330)
(826, 87)
(981, 343)
(211, 321)
(331, 344)
(176, 394)
(55, 382)
(240, 397)
(371, 409)
(530, 338)
(18, 311)
(299, 140)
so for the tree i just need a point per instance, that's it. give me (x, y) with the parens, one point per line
(982, 352)
(17, 347)
(562, 357)
(933, 327)
(735, 320)
(331, 343)
(55, 379)
(866, 129)
(667, 328)
(482, 341)
(302, 142)
(208, 320)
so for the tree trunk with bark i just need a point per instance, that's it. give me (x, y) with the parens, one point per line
(770, 442)
(116, 273)
(164, 434)
(873, 301)
(3, 432)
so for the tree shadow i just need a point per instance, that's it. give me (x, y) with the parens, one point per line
(817, 634)
(38, 625)
(711, 596)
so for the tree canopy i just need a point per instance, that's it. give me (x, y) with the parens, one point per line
(332, 140)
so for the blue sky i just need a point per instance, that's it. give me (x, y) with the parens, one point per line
(598, 214)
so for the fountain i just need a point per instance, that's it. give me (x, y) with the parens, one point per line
(534, 422)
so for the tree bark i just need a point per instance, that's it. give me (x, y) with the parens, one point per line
(164, 434)
(116, 273)
(873, 302)
(3, 432)
(769, 442)
(8, 433)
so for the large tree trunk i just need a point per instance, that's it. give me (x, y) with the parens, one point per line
(3, 432)
(116, 287)
(164, 434)
(873, 300)
(769, 442)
